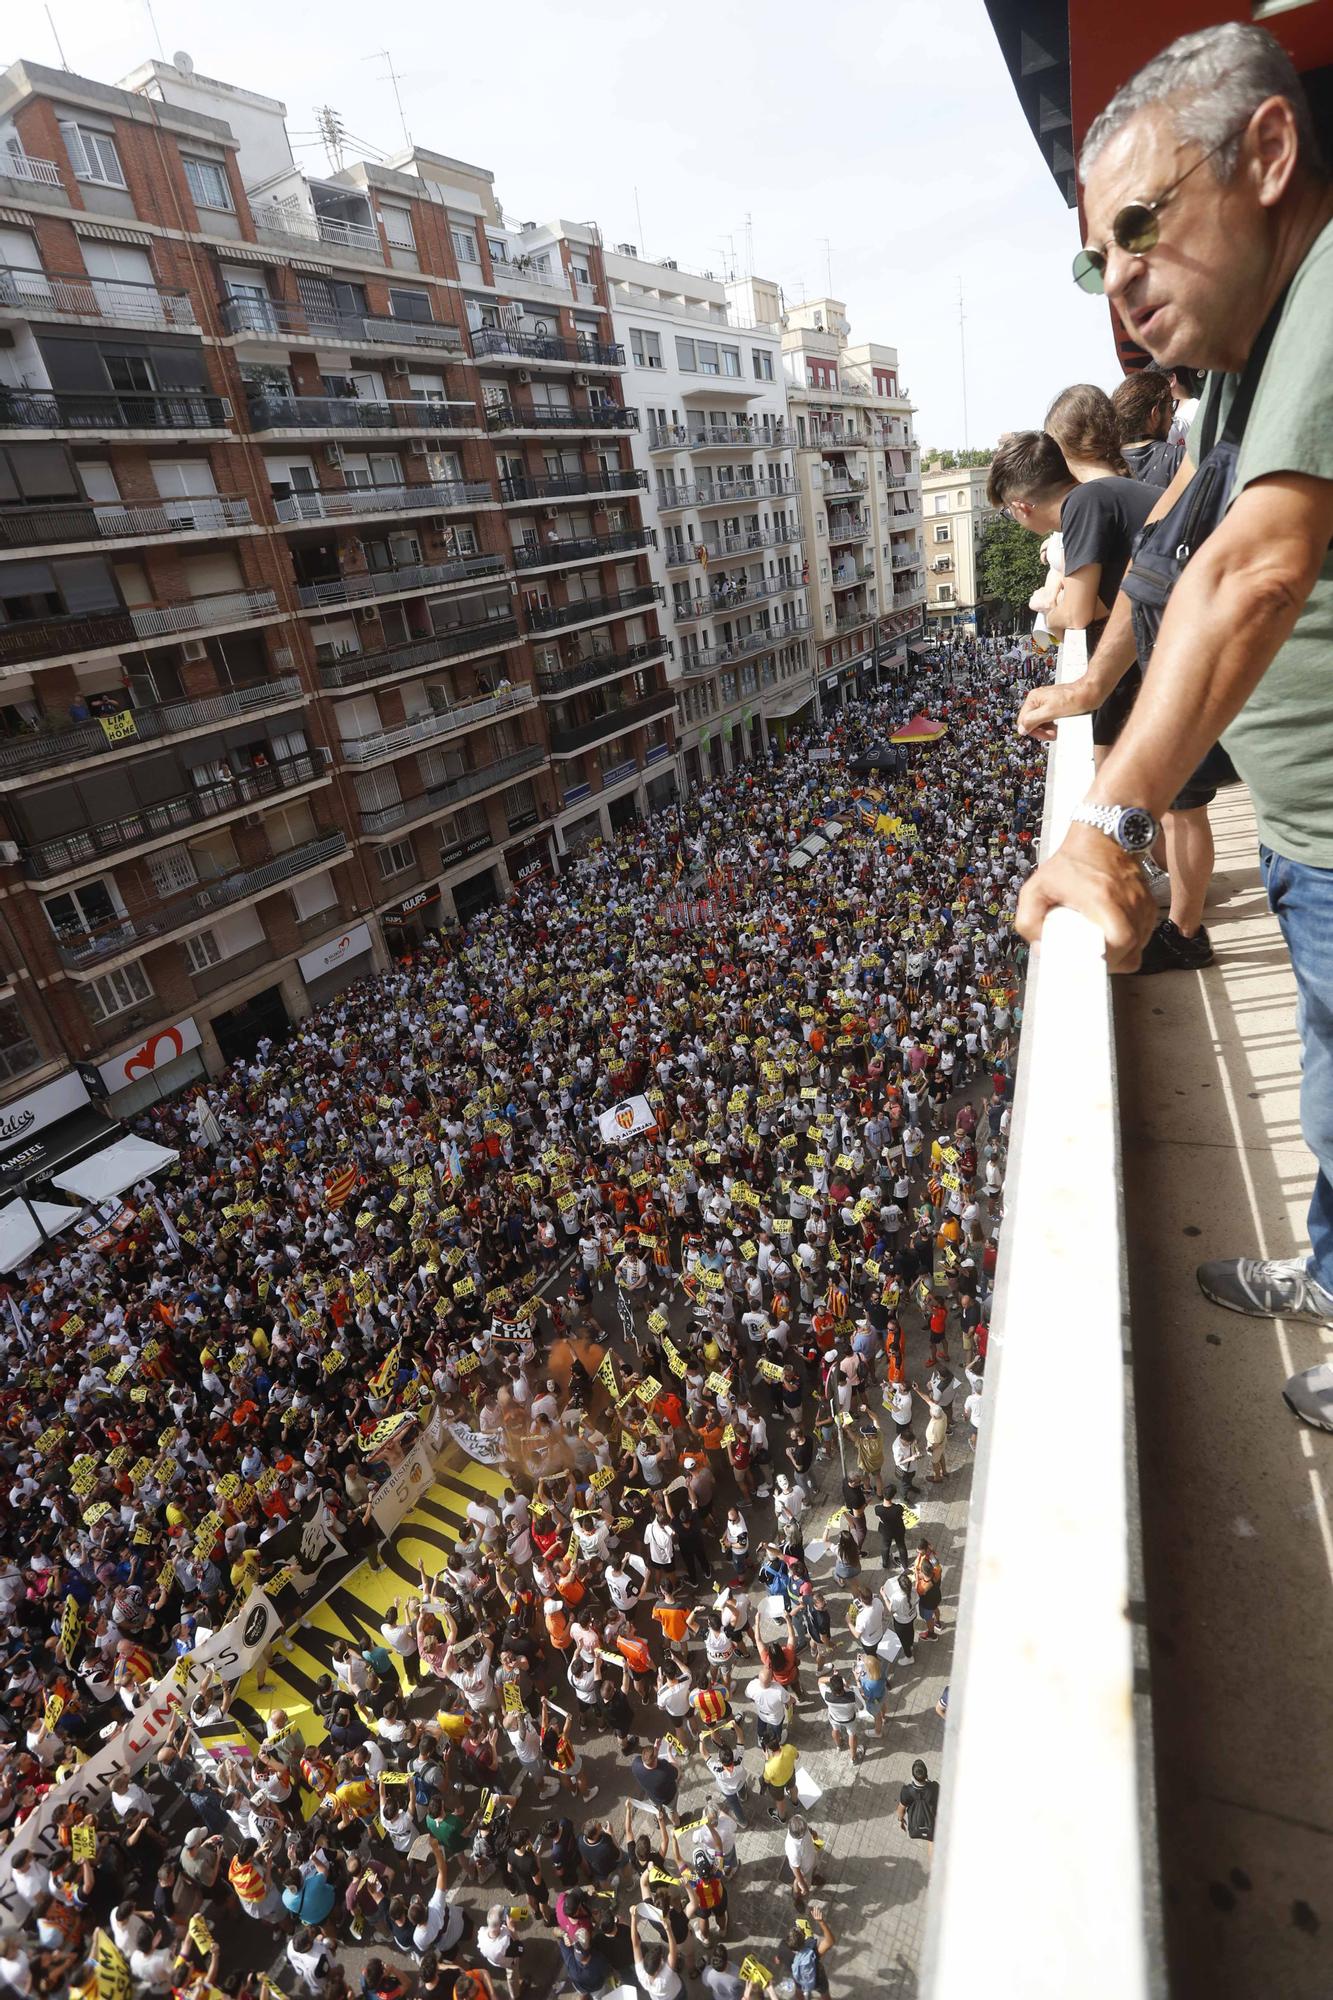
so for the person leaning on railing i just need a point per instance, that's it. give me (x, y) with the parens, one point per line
(1210, 226)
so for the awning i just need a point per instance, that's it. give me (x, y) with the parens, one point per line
(921, 729)
(57, 1145)
(19, 1232)
(115, 1168)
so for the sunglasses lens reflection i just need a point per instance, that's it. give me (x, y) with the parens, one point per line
(1089, 271)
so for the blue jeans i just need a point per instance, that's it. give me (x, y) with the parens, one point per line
(1301, 898)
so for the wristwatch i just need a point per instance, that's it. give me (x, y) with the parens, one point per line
(1130, 827)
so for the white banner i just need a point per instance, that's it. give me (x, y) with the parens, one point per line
(623, 1120)
(155, 1053)
(329, 956)
(407, 1482)
(228, 1653)
(487, 1447)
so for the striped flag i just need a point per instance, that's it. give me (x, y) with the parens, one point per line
(339, 1186)
(382, 1380)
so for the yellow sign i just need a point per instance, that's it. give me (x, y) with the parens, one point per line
(120, 728)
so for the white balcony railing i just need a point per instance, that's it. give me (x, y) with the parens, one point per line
(23, 167)
(439, 722)
(273, 219)
(200, 614)
(1050, 1686)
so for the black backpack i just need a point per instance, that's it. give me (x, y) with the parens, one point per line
(1162, 548)
(921, 1810)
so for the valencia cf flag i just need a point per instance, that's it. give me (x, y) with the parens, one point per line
(339, 1186)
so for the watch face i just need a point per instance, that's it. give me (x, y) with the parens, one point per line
(1136, 830)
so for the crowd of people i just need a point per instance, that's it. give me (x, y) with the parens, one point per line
(723, 1365)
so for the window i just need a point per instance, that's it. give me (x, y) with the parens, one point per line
(465, 246)
(945, 593)
(685, 360)
(762, 364)
(92, 155)
(646, 347)
(80, 911)
(708, 361)
(410, 305)
(118, 991)
(18, 1051)
(731, 361)
(520, 805)
(128, 373)
(398, 228)
(942, 535)
(207, 182)
(202, 950)
(498, 249)
(941, 503)
(396, 858)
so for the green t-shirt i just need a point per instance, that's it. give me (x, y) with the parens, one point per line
(1282, 740)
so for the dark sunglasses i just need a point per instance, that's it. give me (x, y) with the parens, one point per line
(1135, 227)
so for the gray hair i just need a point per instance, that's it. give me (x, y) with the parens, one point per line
(1214, 81)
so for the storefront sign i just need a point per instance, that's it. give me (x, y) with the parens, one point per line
(40, 1108)
(154, 1054)
(337, 952)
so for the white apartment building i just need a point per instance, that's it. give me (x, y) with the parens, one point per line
(956, 513)
(858, 472)
(705, 374)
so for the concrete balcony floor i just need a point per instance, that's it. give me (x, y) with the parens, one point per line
(1237, 1542)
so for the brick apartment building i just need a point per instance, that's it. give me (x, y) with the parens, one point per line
(325, 608)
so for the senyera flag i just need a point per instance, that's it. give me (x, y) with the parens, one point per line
(623, 1120)
(340, 1185)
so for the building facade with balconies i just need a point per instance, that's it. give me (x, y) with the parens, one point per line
(859, 478)
(714, 448)
(955, 514)
(316, 509)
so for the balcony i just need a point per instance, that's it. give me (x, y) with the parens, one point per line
(272, 319)
(355, 669)
(361, 413)
(552, 617)
(715, 437)
(289, 225)
(19, 756)
(337, 503)
(722, 603)
(570, 485)
(91, 844)
(850, 528)
(850, 621)
(844, 579)
(385, 819)
(763, 639)
(395, 582)
(726, 493)
(905, 558)
(495, 343)
(727, 548)
(579, 548)
(23, 167)
(845, 484)
(81, 950)
(54, 638)
(552, 681)
(111, 301)
(97, 411)
(595, 417)
(430, 728)
(110, 521)
(615, 722)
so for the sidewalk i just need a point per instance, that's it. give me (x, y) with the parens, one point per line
(1238, 1548)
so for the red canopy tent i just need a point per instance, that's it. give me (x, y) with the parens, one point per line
(921, 729)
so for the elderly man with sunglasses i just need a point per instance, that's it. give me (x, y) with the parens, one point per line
(1210, 225)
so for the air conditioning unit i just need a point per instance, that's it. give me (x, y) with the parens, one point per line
(417, 448)
(438, 525)
(193, 649)
(366, 613)
(525, 375)
(582, 381)
(9, 852)
(399, 366)
(550, 513)
(670, 264)
(334, 454)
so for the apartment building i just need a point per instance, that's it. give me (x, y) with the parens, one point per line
(705, 375)
(325, 603)
(955, 515)
(859, 480)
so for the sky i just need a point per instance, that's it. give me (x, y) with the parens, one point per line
(879, 141)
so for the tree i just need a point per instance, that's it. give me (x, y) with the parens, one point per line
(952, 461)
(1009, 565)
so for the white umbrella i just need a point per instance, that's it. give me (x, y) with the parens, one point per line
(19, 1231)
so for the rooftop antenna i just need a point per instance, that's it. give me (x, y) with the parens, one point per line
(330, 128)
(828, 266)
(749, 244)
(962, 355)
(384, 56)
(55, 32)
(157, 32)
(640, 246)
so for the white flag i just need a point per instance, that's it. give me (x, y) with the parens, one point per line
(623, 1120)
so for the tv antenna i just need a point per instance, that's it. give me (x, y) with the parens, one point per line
(383, 55)
(962, 356)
